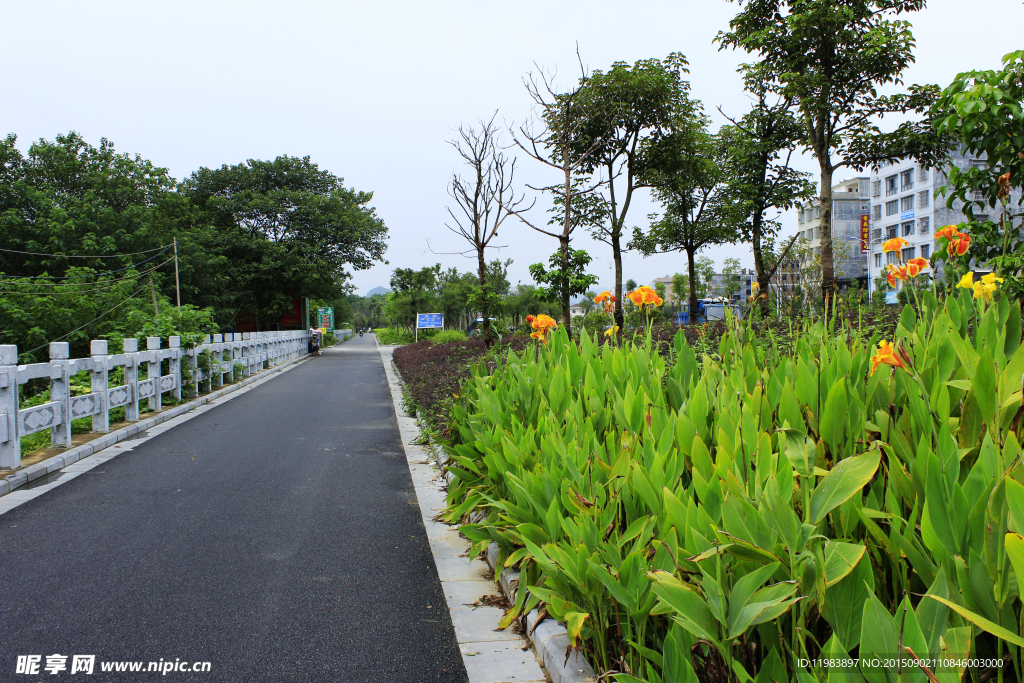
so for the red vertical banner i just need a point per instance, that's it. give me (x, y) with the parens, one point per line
(865, 233)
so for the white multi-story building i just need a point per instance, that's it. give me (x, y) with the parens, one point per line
(903, 204)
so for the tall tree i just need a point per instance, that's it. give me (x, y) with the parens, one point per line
(554, 139)
(412, 292)
(288, 228)
(623, 109)
(686, 170)
(759, 178)
(832, 57)
(484, 199)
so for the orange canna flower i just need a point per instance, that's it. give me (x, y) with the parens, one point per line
(896, 273)
(529, 319)
(916, 265)
(886, 355)
(895, 244)
(949, 232)
(959, 244)
(544, 322)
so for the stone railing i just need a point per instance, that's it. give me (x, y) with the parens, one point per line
(207, 363)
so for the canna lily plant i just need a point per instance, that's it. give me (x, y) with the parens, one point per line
(748, 515)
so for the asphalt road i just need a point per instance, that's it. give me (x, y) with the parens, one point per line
(277, 537)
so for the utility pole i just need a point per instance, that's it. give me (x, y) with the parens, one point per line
(152, 289)
(177, 282)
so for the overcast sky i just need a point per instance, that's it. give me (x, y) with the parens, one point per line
(372, 90)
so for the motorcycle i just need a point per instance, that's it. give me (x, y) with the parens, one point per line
(360, 333)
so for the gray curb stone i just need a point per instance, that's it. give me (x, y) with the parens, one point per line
(550, 638)
(14, 481)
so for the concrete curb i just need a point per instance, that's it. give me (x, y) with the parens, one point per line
(490, 655)
(550, 638)
(14, 481)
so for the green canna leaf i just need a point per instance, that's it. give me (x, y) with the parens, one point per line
(844, 481)
(980, 621)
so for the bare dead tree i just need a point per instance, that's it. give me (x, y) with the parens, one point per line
(553, 138)
(483, 200)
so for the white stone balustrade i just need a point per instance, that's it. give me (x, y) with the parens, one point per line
(254, 351)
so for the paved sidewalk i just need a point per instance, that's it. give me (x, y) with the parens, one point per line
(277, 537)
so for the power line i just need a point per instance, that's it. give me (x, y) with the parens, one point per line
(38, 253)
(77, 277)
(86, 324)
(109, 284)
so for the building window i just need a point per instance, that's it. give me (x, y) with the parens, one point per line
(907, 203)
(922, 174)
(892, 208)
(890, 186)
(890, 232)
(876, 188)
(892, 258)
(923, 225)
(878, 260)
(925, 250)
(923, 199)
(876, 212)
(908, 228)
(907, 179)
(876, 235)
(908, 254)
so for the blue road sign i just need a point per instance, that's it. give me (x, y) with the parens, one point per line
(429, 321)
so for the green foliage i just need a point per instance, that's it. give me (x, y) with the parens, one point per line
(566, 278)
(449, 336)
(831, 58)
(395, 335)
(250, 238)
(982, 109)
(756, 505)
(287, 226)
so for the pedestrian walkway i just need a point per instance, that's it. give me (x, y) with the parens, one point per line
(276, 537)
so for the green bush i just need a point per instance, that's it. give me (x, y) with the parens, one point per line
(449, 336)
(744, 510)
(328, 340)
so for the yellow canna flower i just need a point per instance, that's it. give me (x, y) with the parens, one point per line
(991, 279)
(610, 332)
(967, 281)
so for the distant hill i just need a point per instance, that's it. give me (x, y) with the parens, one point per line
(378, 290)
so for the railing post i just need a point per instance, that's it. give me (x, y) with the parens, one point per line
(131, 379)
(247, 353)
(10, 443)
(236, 353)
(174, 369)
(195, 363)
(60, 354)
(217, 361)
(153, 372)
(99, 383)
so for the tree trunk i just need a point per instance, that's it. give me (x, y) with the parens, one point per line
(484, 304)
(763, 281)
(617, 256)
(693, 283)
(566, 313)
(564, 241)
(828, 271)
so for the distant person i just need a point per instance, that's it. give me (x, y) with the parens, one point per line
(314, 341)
